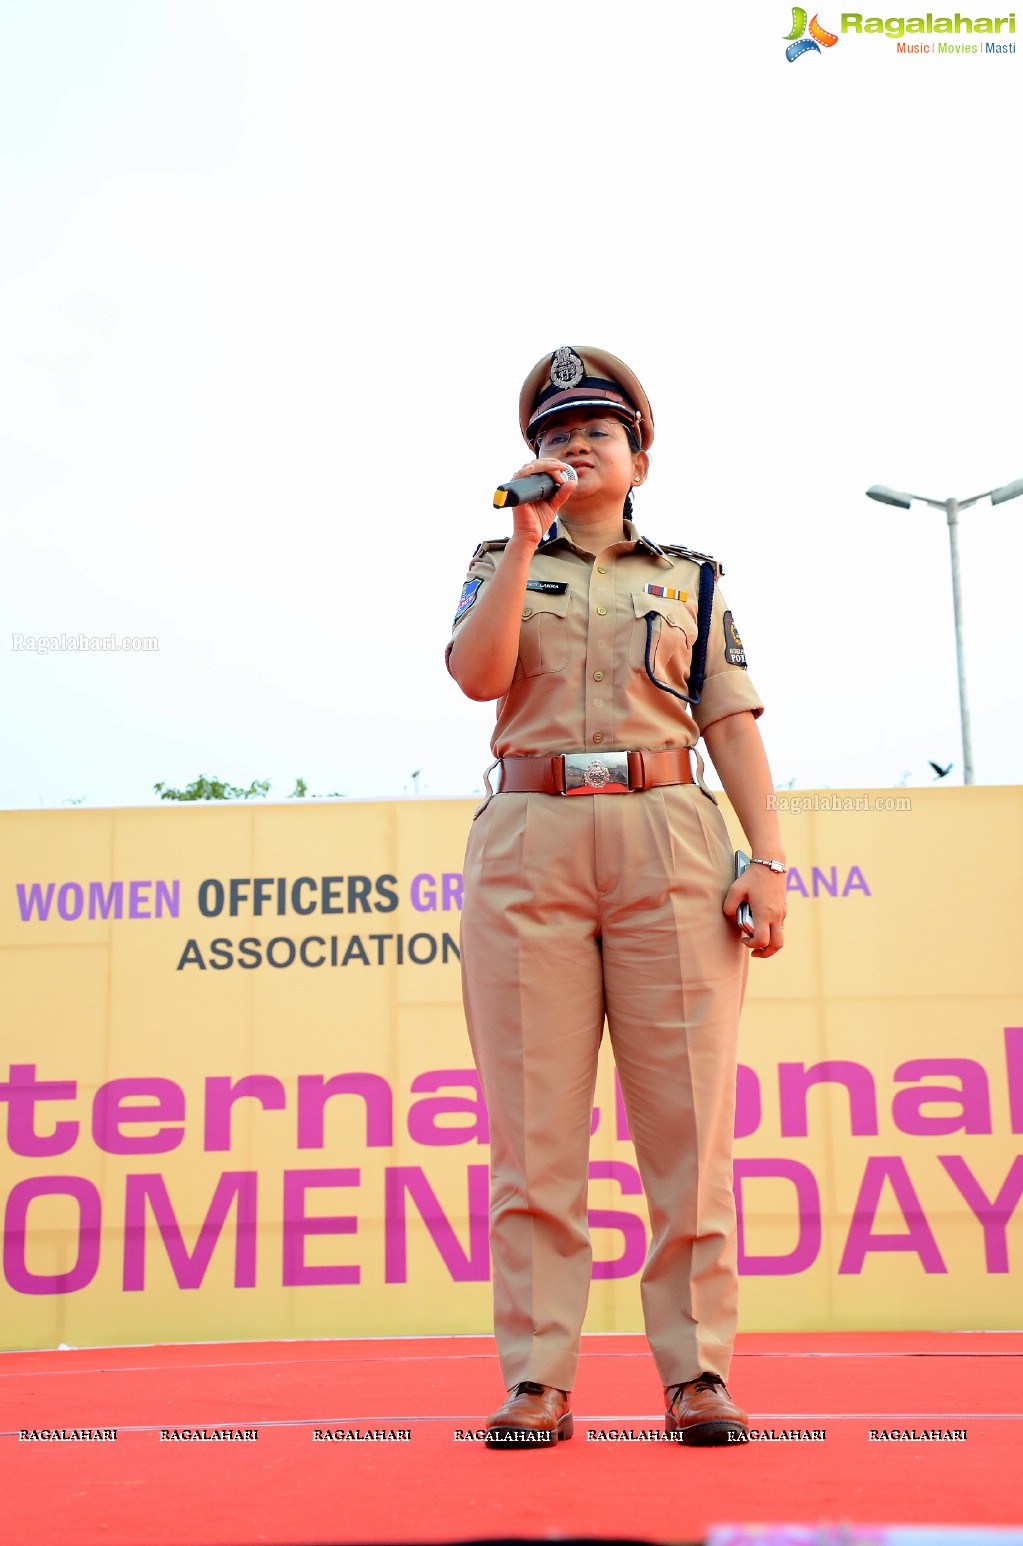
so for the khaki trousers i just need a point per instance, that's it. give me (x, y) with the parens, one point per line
(575, 909)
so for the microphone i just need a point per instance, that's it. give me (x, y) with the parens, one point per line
(527, 491)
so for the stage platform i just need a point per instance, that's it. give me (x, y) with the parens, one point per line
(373, 1441)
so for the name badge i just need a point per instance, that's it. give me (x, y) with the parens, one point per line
(549, 587)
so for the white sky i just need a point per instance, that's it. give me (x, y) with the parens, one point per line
(272, 274)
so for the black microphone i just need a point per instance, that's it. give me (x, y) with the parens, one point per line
(526, 491)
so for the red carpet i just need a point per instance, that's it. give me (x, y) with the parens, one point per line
(286, 1487)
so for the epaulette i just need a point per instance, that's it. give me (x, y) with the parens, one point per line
(494, 546)
(678, 551)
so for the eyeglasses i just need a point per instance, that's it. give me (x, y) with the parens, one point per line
(593, 431)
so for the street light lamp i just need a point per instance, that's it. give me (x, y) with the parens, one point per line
(952, 507)
(1007, 491)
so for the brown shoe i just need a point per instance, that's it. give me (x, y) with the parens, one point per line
(702, 1412)
(532, 1415)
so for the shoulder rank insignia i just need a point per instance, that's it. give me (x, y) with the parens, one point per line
(677, 550)
(493, 546)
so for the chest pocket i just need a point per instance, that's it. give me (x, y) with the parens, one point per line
(543, 635)
(672, 636)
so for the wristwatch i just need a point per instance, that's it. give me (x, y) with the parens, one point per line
(772, 864)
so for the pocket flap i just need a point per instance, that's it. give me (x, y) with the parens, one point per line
(675, 613)
(537, 601)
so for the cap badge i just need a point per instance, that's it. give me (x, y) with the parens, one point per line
(567, 369)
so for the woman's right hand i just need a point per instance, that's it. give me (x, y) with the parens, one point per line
(482, 655)
(530, 523)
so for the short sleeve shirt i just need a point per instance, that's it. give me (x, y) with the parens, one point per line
(590, 627)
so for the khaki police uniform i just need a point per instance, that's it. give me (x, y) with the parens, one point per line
(607, 905)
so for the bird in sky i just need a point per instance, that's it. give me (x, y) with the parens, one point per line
(940, 772)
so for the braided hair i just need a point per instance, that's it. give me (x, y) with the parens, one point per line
(634, 446)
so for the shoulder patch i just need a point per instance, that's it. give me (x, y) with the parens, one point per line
(677, 550)
(734, 652)
(466, 599)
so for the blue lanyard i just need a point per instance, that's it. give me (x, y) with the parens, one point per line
(698, 667)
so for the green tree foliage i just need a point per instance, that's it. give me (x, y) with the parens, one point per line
(204, 788)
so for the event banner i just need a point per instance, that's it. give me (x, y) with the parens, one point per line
(238, 1100)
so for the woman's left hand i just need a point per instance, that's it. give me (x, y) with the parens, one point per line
(765, 892)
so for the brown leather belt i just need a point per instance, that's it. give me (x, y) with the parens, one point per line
(595, 772)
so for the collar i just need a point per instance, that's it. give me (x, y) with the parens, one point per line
(630, 533)
(643, 544)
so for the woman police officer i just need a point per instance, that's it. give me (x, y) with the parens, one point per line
(618, 904)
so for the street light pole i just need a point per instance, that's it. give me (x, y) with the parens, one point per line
(952, 507)
(952, 516)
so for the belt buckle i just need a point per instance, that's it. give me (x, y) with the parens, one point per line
(596, 772)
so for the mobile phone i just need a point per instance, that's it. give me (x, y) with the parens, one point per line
(743, 916)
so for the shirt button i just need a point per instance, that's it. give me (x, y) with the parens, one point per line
(598, 703)
(527, 611)
(602, 611)
(602, 569)
(598, 737)
(598, 676)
